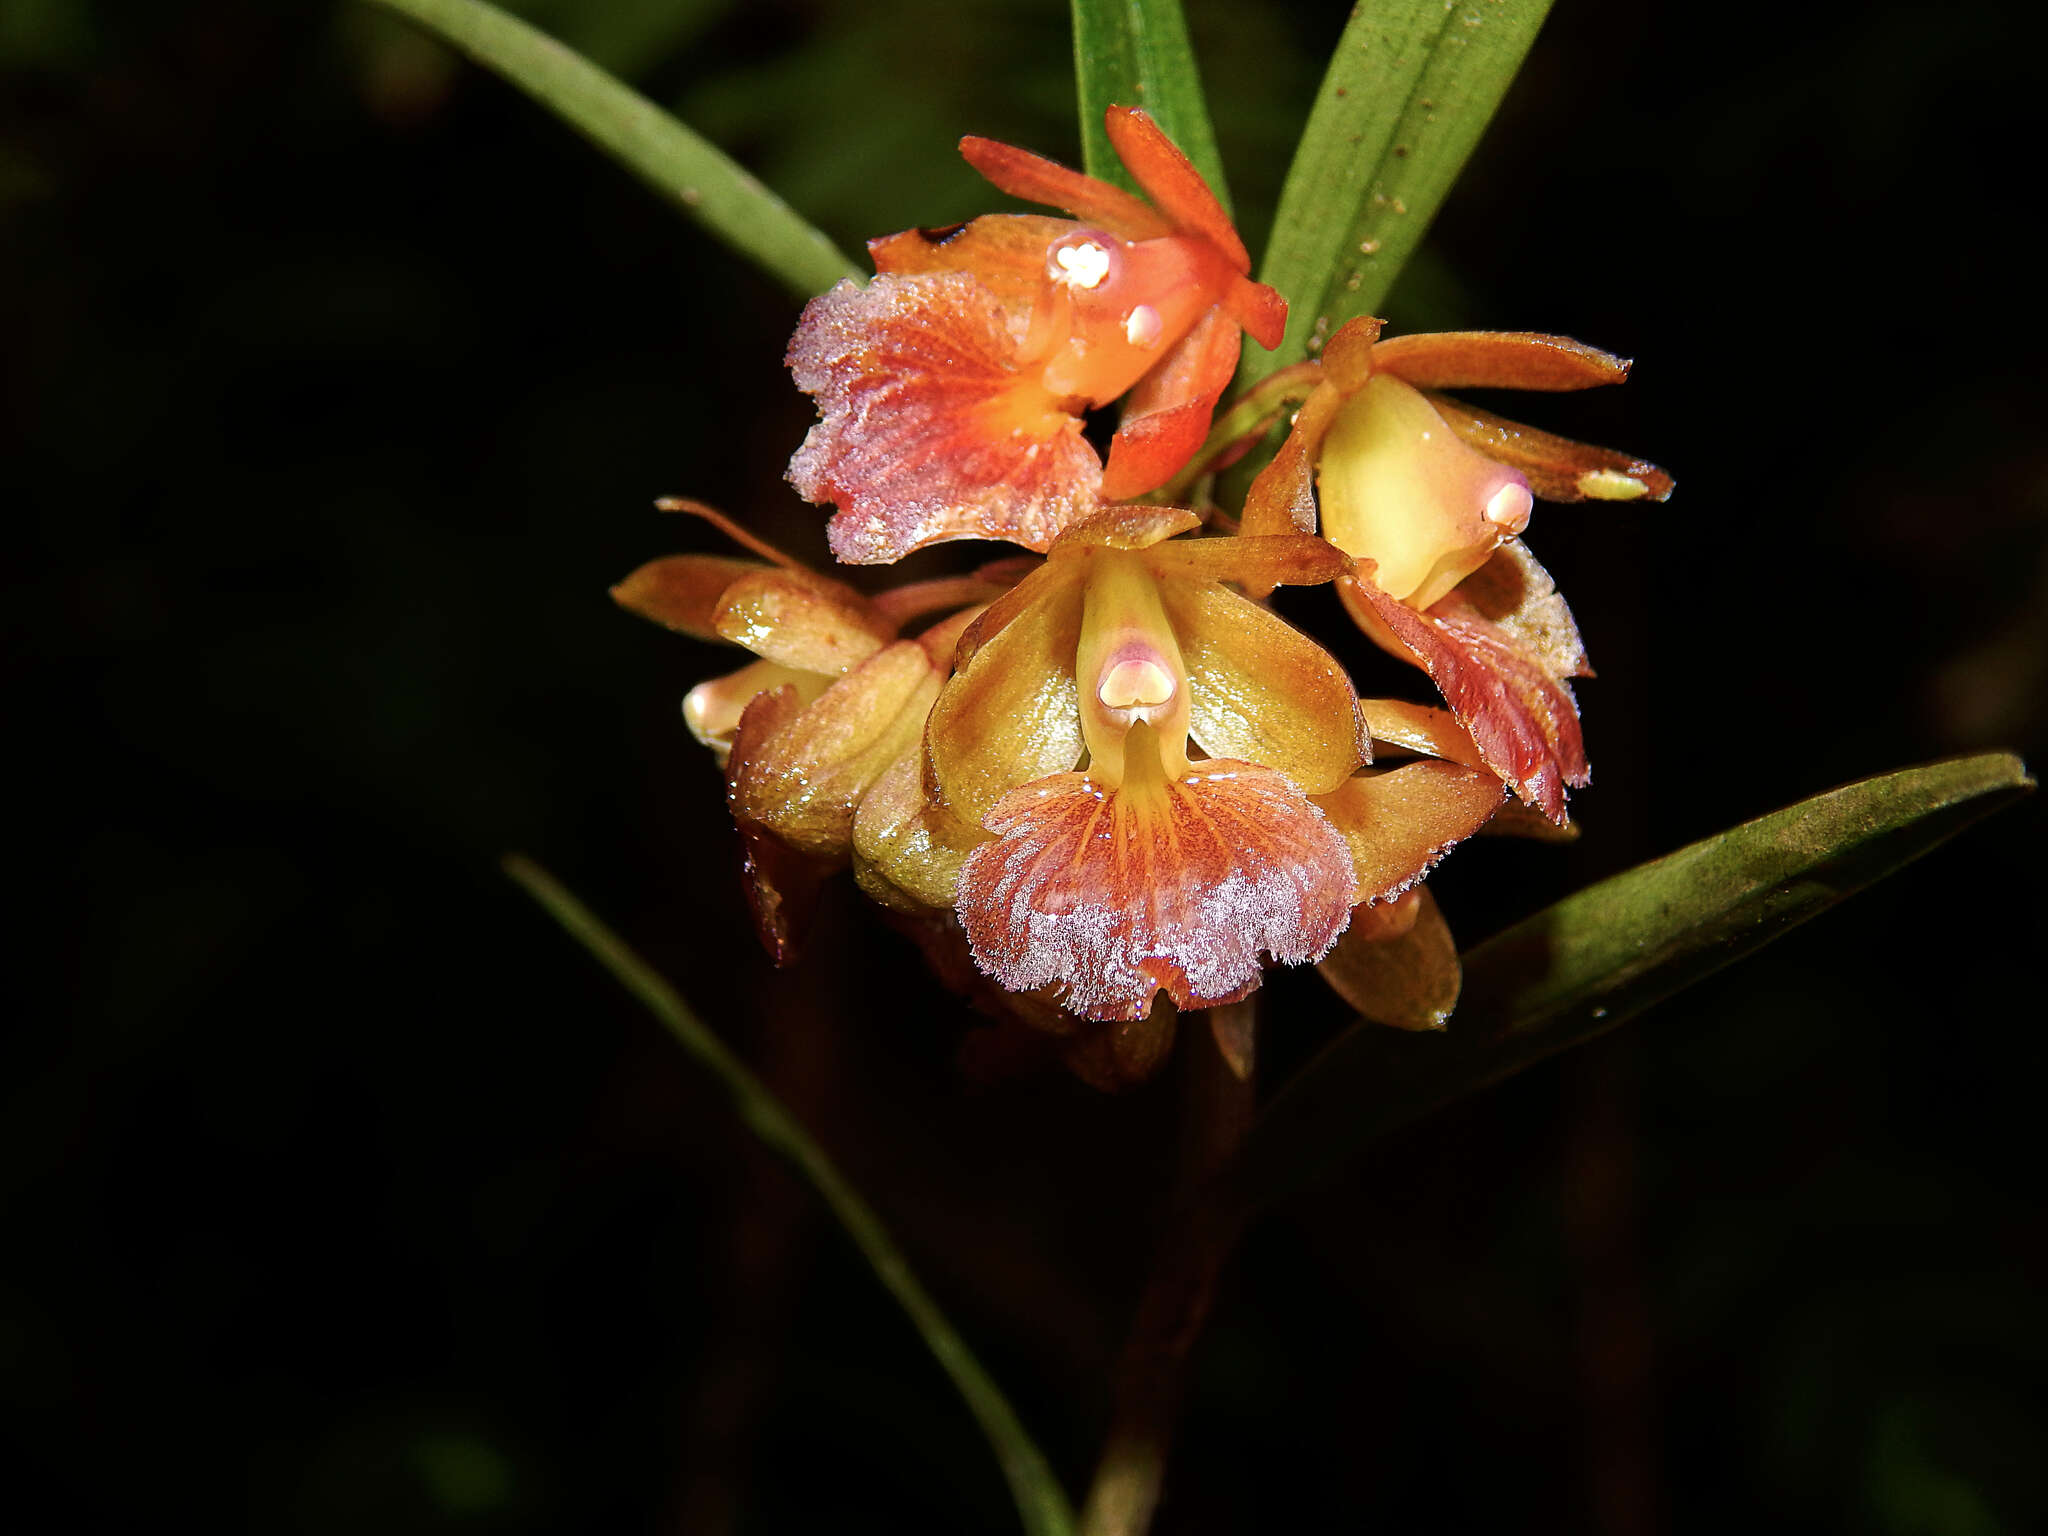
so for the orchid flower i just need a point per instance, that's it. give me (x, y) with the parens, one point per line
(1430, 497)
(951, 388)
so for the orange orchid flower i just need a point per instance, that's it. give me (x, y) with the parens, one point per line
(805, 731)
(1174, 778)
(1429, 496)
(951, 388)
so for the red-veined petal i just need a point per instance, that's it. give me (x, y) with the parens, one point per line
(1159, 885)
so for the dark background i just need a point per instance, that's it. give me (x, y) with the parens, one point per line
(344, 1193)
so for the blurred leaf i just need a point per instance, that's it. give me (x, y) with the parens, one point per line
(1412, 85)
(1603, 955)
(1041, 1502)
(1135, 53)
(646, 140)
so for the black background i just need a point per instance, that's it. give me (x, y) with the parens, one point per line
(343, 1192)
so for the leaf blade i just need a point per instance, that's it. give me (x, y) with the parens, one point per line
(1135, 53)
(1041, 1502)
(675, 161)
(1410, 89)
(1606, 953)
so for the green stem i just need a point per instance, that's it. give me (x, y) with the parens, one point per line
(1040, 1501)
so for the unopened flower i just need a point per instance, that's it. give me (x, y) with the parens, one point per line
(834, 699)
(951, 387)
(1429, 496)
(1171, 775)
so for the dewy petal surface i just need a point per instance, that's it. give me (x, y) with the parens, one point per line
(1263, 691)
(927, 431)
(781, 616)
(1012, 713)
(1160, 885)
(803, 780)
(681, 592)
(907, 847)
(1557, 468)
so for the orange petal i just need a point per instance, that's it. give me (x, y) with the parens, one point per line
(1006, 251)
(927, 431)
(1349, 357)
(1036, 179)
(1012, 713)
(1515, 593)
(907, 847)
(1168, 413)
(781, 616)
(801, 775)
(1419, 728)
(1400, 821)
(1131, 527)
(1177, 886)
(1410, 981)
(1172, 182)
(1283, 497)
(681, 591)
(1259, 309)
(1261, 690)
(1520, 714)
(1557, 468)
(1497, 360)
(1258, 563)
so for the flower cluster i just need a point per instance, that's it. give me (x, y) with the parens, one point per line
(1111, 783)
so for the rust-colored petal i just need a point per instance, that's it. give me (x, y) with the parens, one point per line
(1400, 821)
(680, 592)
(1497, 360)
(908, 847)
(1161, 885)
(802, 778)
(1520, 714)
(1557, 468)
(1167, 414)
(1410, 981)
(1261, 690)
(1035, 179)
(782, 616)
(1012, 713)
(1172, 182)
(927, 432)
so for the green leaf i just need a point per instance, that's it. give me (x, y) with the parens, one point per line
(677, 163)
(1603, 955)
(1135, 53)
(1041, 1502)
(1411, 87)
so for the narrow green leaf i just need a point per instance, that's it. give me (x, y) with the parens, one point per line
(676, 162)
(1411, 87)
(1041, 1502)
(1135, 53)
(1603, 955)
